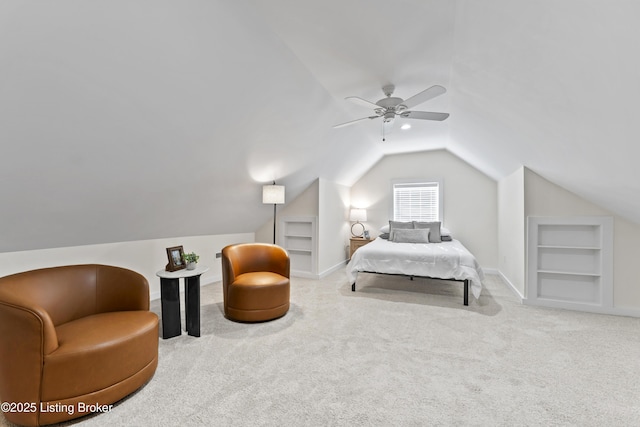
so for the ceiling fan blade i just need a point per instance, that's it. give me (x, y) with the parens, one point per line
(362, 102)
(424, 96)
(424, 115)
(354, 121)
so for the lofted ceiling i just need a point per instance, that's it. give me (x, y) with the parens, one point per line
(137, 120)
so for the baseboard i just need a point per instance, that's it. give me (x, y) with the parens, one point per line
(210, 281)
(332, 269)
(627, 311)
(304, 274)
(511, 286)
(613, 311)
(318, 276)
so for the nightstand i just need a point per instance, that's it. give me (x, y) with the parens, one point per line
(356, 242)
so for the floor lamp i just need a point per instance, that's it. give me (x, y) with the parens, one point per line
(273, 194)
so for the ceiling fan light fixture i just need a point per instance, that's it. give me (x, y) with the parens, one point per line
(390, 107)
(405, 126)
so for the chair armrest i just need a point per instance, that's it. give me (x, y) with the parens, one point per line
(27, 334)
(24, 319)
(120, 289)
(280, 262)
(228, 274)
(249, 257)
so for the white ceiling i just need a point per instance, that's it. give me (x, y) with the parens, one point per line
(136, 120)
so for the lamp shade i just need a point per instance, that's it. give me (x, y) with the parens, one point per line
(358, 215)
(273, 194)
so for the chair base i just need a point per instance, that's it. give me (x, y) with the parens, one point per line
(254, 316)
(103, 397)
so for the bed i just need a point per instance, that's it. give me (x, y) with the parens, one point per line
(448, 260)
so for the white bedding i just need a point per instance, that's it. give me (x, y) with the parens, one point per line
(446, 260)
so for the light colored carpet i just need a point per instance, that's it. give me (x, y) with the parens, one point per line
(395, 352)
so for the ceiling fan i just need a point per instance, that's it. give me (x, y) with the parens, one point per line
(390, 107)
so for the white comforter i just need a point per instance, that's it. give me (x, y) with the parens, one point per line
(446, 260)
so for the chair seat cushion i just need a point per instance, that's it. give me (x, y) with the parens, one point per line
(98, 351)
(261, 278)
(258, 290)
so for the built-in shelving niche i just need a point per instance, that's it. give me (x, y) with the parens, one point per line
(570, 262)
(298, 237)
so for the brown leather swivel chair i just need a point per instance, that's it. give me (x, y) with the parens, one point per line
(255, 282)
(72, 337)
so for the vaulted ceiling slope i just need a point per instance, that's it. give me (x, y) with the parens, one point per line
(138, 120)
(554, 86)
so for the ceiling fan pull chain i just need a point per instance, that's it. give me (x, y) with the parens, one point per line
(383, 140)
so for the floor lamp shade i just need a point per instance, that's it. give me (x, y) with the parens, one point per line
(273, 194)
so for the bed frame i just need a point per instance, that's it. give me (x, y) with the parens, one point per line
(465, 282)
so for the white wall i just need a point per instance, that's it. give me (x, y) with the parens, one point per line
(511, 230)
(544, 198)
(143, 256)
(333, 228)
(470, 197)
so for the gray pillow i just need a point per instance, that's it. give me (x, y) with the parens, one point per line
(411, 236)
(434, 234)
(398, 225)
(384, 236)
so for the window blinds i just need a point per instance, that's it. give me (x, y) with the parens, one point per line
(416, 202)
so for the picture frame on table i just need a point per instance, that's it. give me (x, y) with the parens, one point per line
(175, 255)
(367, 235)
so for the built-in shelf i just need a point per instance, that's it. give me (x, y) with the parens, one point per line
(570, 262)
(298, 237)
(585, 248)
(306, 251)
(571, 273)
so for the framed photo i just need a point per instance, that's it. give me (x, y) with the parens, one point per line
(175, 255)
(366, 234)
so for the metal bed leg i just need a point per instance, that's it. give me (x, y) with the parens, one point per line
(466, 292)
(353, 287)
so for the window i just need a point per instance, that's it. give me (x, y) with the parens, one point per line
(416, 201)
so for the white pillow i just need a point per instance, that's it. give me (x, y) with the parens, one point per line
(384, 229)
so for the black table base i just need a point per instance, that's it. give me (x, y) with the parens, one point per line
(170, 300)
(192, 305)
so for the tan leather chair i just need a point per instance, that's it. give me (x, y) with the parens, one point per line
(71, 337)
(255, 282)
